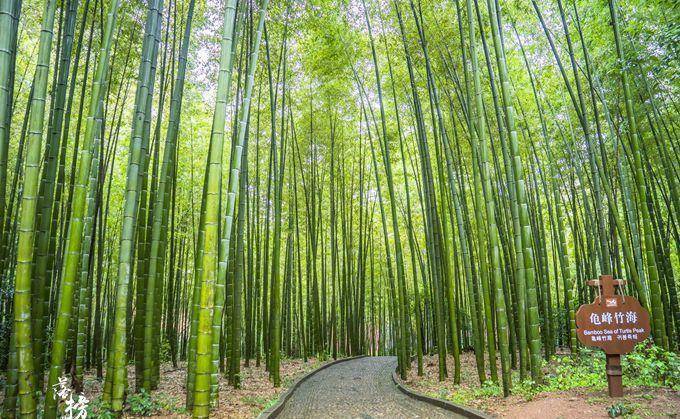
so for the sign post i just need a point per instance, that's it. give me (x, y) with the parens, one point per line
(614, 323)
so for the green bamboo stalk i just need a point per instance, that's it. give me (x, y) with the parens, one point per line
(225, 270)
(162, 203)
(399, 258)
(518, 173)
(27, 218)
(7, 59)
(235, 330)
(659, 331)
(201, 407)
(75, 239)
(279, 165)
(45, 212)
(117, 368)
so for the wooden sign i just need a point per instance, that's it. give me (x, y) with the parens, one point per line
(614, 323)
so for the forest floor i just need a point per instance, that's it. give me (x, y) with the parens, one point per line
(255, 395)
(570, 393)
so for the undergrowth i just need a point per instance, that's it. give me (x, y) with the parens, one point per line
(647, 366)
(137, 404)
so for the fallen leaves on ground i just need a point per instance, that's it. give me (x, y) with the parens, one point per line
(255, 394)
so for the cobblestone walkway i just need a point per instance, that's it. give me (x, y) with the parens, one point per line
(360, 388)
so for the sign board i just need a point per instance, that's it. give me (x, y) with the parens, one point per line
(614, 323)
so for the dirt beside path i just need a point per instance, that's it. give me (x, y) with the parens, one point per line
(658, 403)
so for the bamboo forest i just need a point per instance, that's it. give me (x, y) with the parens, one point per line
(339, 208)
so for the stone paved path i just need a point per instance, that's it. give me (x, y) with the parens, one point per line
(360, 388)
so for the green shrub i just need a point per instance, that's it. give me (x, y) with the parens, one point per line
(619, 409)
(650, 366)
(164, 353)
(99, 409)
(142, 404)
(526, 389)
(467, 395)
(647, 366)
(576, 372)
(489, 389)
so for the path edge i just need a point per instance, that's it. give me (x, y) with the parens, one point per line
(274, 410)
(444, 404)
